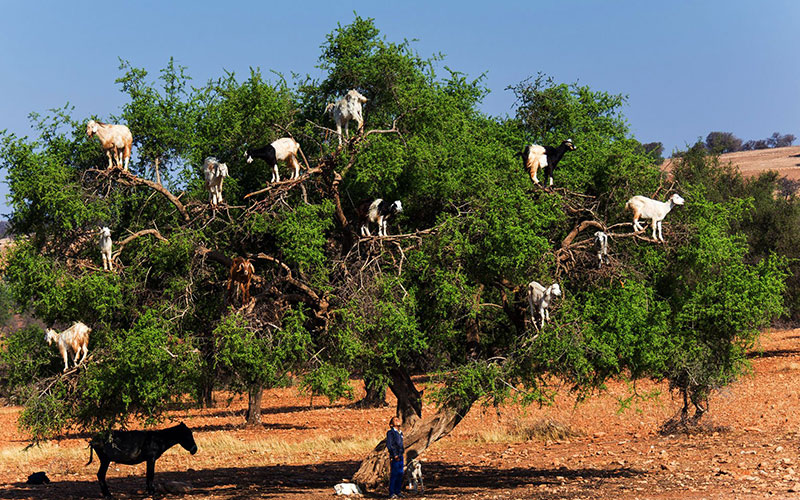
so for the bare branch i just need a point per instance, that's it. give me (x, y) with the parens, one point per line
(287, 184)
(128, 179)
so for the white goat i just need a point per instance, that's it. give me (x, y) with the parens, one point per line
(345, 109)
(215, 173)
(647, 208)
(378, 212)
(116, 137)
(284, 149)
(74, 338)
(413, 476)
(601, 240)
(539, 300)
(105, 249)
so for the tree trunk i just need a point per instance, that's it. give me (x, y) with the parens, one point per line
(349, 237)
(207, 394)
(375, 467)
(409, 399)
(254, 405)
(375, 397)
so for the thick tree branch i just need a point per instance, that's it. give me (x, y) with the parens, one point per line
(287, 184)
(128, 179)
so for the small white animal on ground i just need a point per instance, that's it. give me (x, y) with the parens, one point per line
(413, 476)
(347, 489)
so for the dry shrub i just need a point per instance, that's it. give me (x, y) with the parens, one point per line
(544, 430)
(521, 431)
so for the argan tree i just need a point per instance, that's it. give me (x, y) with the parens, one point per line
(444, 294)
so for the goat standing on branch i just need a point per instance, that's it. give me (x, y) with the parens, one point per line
(379, 212)
(105, 249)
(539, 300)
(74, 338)
(215, 173)
(113, 137)
(601, 240)
(241, 273)
(647, 208)
(345, 109)
(535, 157)
(284, 149)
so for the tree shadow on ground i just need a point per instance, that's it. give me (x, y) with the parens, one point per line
(285, 481)
(454, 480)
(774, 353)
(226, 412)
(198, 428)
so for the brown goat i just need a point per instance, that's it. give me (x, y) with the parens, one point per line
(241, 273)
(113, 137)
(74, 338)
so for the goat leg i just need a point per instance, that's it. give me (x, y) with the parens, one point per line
(151, 471)
(101, 477)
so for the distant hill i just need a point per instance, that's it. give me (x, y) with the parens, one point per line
(4, 227)
(785, 161)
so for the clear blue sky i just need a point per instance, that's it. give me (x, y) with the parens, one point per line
(688, 67)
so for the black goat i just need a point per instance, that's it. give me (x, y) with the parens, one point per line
(135, 447)
(554, 155)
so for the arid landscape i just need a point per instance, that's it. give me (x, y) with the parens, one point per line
(590, 450)
(229, 266)
(786, 161)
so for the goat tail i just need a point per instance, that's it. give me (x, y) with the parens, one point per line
(90, 455)
(329, 107)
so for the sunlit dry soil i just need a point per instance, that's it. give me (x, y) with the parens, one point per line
(301, 452)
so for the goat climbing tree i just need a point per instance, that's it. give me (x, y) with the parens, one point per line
(442, 295)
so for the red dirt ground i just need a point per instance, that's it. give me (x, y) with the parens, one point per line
(619, 455)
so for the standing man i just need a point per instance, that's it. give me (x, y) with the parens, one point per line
(394, 444)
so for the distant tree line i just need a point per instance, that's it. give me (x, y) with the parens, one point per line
(726, 142)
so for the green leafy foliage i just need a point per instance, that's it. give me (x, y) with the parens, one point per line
(25, 358)
(445, 295)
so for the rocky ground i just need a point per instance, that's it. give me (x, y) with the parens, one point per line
(589, 450)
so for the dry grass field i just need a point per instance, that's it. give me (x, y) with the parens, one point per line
(588, 450)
